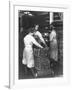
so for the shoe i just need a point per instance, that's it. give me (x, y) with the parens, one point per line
(35, 75)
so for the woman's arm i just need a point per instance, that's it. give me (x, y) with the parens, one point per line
(36, 43)
(40, 36)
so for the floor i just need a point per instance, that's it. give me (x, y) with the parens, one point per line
(56, 67)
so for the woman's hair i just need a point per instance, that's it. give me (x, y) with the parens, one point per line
(30, 30)
(36, 25)
(52, 27)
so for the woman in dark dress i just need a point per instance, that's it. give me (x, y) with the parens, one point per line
(53, 45)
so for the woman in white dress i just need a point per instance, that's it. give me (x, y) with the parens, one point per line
(28, 57)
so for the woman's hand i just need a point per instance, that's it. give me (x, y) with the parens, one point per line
(41, 47)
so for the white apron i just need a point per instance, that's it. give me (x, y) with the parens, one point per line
(28, 58)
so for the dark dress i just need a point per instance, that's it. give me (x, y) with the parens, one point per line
(53, 46)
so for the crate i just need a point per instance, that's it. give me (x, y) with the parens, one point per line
(42, 61)
(46, 73)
